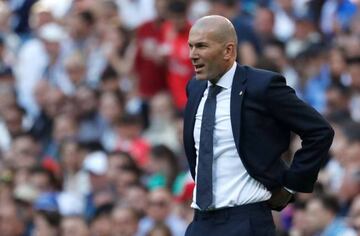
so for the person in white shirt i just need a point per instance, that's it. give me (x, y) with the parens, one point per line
(237, 123)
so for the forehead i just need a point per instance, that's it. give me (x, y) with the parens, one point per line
(200, 35)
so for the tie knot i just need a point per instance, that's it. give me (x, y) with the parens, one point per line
(214, 90)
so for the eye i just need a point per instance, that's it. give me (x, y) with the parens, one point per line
(202, 45)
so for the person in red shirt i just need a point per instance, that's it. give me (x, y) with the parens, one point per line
(150, 67)
(175, 47)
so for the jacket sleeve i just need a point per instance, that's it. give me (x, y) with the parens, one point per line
(316, 134)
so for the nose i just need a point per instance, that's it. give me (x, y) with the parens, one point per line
(193, 54)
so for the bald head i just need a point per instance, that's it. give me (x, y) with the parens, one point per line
(218, 27)
(213, 47)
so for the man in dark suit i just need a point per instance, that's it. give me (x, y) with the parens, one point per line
(237, 124)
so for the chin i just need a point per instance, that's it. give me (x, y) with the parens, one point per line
(200, 77)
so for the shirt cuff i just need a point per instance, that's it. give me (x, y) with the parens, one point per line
(289, 190)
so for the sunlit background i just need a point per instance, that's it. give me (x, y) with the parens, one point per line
(91, 101)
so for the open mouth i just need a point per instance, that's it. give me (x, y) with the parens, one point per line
(199, 67)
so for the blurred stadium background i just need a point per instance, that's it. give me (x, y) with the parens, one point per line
(91, 99)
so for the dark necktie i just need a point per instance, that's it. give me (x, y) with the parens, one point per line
(206, 153)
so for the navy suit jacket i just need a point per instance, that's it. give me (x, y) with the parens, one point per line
(264, 111)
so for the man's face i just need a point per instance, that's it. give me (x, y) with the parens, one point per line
(124, 223)
(136, 198)
(160, 6)
(64, 127)
(101, 226)
(10, 225)
(335, 100)
(71, 157)
(25, 152)
(110, 108)
(264, 22)
(54, 102)
(118, 165)
(97, 181)
(73, 226)
(86, 100)
(317, 216)
(351, 153)
(41, 182)
(124, 179)
(206, 55)
(161, 108)
(159, 205)
(53, 48)
(178, 20)
(13, 120)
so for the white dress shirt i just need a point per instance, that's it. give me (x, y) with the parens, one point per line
(232, 185)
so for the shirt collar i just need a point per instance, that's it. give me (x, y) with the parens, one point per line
(226, 80)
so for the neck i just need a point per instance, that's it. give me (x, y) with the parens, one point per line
(226, 69)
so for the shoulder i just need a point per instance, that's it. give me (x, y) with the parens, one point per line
(195, 87)
(260, 74)
(258, 80)
(195, 84)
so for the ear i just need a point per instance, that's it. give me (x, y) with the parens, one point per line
(229, 50)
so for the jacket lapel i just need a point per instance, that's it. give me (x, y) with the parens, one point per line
(236, 100)
(194, 101)
(189, 121)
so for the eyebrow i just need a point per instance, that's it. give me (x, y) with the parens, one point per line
(198, 44)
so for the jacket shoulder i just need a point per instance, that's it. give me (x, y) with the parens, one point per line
(193, 85)
(258, 80)
(260, 74)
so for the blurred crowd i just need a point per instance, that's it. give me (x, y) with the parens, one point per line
(91, 100)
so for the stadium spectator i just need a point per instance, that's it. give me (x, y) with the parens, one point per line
(91, 104)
